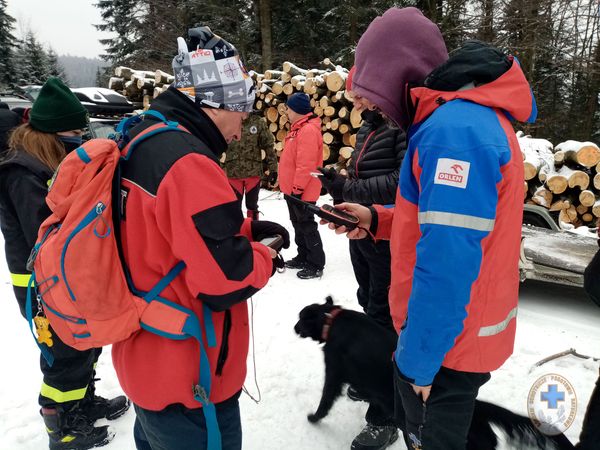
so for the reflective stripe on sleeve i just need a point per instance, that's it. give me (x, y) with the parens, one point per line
(499, 327)
(20, 280)
(456, 220)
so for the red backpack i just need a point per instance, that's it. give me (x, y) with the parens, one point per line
(81, 281)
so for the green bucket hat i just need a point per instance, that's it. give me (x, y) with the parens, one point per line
(57, 109)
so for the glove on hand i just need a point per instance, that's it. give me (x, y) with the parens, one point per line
(333, 182)
(298, 196)
(272, 178)
(263, 229)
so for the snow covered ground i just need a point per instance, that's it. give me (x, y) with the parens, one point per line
(289, 370)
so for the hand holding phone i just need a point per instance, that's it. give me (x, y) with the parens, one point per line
(273, 242)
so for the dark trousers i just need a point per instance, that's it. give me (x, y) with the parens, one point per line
(68, 379)
(306, 235)
(251, 188)
(443, 422)
(179, 428)
(589, 439)
(371, 262)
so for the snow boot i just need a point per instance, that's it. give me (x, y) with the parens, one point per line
(71, 430)
(253, 214)
(295, 263)
(309, 272)
(95, 407)
(373, 437)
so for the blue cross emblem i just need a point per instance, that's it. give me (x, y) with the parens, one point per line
(553, 396)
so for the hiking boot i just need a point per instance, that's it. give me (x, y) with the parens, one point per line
(295, 263)
(103, 408)
(373, 437)
(71, 430)
(95, 407)
(354, 395)
(309, 272)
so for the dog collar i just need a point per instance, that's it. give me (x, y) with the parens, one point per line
(328, 321)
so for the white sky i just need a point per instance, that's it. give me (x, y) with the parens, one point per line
(66, 25)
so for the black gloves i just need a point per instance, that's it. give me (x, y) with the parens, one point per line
(333, 182)
(272, 178)
(298, 196)
(263, 228)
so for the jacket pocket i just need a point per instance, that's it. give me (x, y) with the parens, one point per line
(224, 350)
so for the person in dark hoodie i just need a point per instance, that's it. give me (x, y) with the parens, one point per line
(8, 121)
(177, 205)
(372, 179)
(69, 405)
(456, 227)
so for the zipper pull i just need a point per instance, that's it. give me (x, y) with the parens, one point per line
(99, 208)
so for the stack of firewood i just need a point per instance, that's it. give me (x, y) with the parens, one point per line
(140, 86)
(328, 98)
(564, 179)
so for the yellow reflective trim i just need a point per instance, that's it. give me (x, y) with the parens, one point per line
(20, 280)
(68, 438)
(60, 396)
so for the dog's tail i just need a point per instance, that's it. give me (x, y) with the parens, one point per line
(521, 432)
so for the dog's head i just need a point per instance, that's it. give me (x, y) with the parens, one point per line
(313, 318)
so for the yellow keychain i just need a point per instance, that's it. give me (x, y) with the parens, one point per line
(44, 334)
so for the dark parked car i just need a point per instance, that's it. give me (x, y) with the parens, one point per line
(103, 102)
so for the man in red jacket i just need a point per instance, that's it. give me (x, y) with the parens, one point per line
(177, 205)
(302, 154)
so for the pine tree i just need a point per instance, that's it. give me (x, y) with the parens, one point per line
(32, 61)
(55, 69)
(120, 18)
(7, 44)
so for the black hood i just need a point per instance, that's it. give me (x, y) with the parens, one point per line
(24, 159)
(474, 62)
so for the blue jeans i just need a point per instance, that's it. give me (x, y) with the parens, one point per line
(179, 428)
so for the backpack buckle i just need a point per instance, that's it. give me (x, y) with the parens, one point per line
(200, 393)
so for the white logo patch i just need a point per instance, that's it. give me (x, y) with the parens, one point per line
(452, 172)
(253, 129)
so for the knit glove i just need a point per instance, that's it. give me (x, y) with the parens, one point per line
(272, 178)
(333, 182)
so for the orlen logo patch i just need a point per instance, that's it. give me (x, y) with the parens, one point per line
(452, 172)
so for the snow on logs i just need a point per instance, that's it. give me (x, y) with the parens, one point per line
(564, 179)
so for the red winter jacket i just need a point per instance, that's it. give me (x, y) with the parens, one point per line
(177, 205)
(302, 154)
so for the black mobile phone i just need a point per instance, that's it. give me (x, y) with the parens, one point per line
(274, 242)
(328, 213)
(338, 217)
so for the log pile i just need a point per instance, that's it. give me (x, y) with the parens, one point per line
(140, 86)
(328, 98)
(564, 179)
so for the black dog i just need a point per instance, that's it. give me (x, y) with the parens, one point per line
(358, 352)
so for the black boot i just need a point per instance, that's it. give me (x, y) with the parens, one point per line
(295, 263)
(310, 272)
(95, 407)
(71, 430)
(373, 437)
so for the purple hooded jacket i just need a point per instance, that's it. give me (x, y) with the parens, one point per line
(398, 48)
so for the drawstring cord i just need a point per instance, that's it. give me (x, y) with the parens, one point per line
(244, 388)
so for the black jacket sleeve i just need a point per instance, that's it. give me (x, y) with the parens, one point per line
(27, 194)
(378, 189)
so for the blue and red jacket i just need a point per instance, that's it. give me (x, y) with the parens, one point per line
(456, 227)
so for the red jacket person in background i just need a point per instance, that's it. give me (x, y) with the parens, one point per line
(456, 227)
(177, 205)
(302, 154)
